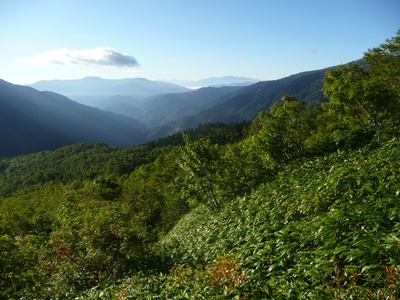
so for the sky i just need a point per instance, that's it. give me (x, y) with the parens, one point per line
(186, 39)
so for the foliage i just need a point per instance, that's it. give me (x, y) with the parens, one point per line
(283, 131)
(214, 174)
(19, 275)
(32, 212)
(220, 280)
(155, 189)
(93, 241)
(324, 227)
(367, 97)
(200, 160)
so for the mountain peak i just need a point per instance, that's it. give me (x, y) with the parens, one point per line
(92, 78)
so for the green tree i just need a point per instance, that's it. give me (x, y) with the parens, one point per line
(95, 240)
(19, 275)
(367, 96)
(384, 62)
(108, 188)
(200, 161)
(283, 130)
(243, 167)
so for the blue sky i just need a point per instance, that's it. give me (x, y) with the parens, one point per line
(186, 40)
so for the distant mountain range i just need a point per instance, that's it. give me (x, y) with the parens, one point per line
(32, 121)
(216, 82)
(152, 102)
(97, 92)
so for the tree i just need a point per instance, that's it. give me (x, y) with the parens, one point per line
(367, 96)
(384, 62)
(243, 167)
(200, 161)
(19, 276)
(94, 240)
(282, 131)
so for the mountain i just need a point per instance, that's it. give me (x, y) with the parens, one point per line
(33, 121)
(123, 109)
(246, 102)
(216, 81)
(118, 99)
(96, 91)
(169, 112)
(123, 105)
(161, 109)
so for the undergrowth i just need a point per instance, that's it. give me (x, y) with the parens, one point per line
(325, 228)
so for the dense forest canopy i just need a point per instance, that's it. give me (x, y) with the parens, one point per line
(300, 204)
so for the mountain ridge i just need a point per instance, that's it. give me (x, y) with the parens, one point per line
(94, 90)
(245, 103)
(216, 81)
(163, 114)
(33, 121)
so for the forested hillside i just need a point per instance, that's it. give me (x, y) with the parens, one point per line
(300, 204)
(243, 104)
(33, 121)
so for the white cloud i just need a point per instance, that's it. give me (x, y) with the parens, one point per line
(105, 56)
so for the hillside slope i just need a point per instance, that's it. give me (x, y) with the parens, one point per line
(324, 228)
(164, 108)
(247, 102)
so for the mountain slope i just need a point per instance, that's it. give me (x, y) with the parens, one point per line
(123, 109)
(118, 99)
(247, 102)
(160, 109)
(300, 233)
(32, 121)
